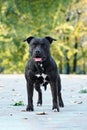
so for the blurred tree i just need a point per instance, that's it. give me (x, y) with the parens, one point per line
(77, 16)
(71, 32)
(64, 20)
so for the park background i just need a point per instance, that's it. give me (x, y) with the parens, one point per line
(64, 20)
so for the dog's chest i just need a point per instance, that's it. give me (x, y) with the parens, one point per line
(42, 78)
(41, 72)
(39, 68)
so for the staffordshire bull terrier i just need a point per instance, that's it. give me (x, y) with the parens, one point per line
(41, 69)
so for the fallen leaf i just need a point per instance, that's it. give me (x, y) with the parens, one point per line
(20, 103)
(25, 118)
(10, 114)
(42, 113)
(23, 110)
(80, 102)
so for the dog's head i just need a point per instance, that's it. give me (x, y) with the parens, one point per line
(39, 47)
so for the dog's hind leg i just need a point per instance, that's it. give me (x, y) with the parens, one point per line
(61, 104)
(38, 89)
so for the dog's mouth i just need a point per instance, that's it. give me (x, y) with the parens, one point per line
(37, 59)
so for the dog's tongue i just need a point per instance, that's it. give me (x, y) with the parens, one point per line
(38, 59)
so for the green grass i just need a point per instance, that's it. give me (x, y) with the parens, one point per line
(20, 103)
(83, 91)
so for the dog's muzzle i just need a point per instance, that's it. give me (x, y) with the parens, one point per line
(37, 57)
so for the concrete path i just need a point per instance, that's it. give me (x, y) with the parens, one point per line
(72, 117)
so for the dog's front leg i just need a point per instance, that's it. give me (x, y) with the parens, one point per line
(38, 89)
(30, 96)
(54, 91)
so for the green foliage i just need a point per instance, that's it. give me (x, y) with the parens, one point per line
(19, 103)
(83, 91)
(59, 19)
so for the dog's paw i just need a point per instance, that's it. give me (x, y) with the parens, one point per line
(39, 103)
(55, 109)
(29, 108)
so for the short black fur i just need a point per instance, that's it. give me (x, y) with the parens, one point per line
(40, 50)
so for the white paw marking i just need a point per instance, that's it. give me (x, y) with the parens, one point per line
(55, 110)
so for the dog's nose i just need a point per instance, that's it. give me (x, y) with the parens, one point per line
(37, 52)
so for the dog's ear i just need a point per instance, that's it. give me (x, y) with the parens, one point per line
(50, 39)
(28, 39)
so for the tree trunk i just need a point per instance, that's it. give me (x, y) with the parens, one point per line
(60, 67)
(84, 64)
(67, 64)
(75, 56)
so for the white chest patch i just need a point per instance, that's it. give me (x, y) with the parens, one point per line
(41, 65)
(44, 77)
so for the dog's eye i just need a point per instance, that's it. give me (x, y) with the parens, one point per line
(33, 45)
(43, 45)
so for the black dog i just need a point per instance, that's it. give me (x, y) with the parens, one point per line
(41, 69)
